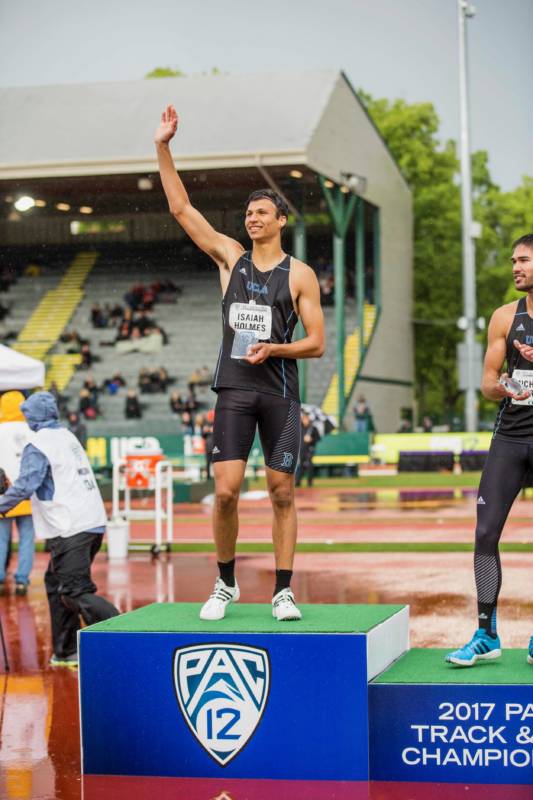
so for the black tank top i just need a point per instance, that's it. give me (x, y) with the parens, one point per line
(275, 375)
(516, 421)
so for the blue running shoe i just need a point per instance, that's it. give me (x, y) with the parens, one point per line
(481, 647)
(530, 652)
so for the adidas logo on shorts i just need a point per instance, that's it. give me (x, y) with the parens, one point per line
(215, 450)
(480, 501)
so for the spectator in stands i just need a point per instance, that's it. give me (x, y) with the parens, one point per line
(406, 426)
(163, 379)
(200, 377)
(133, 298)
(87, 406)
(98, 317)
(92, 387)
(362, 422)
(132, 408)
(191, 401)
(177, 404)
(116, 314)
(142, 321)
(123, 332)
(4, 311)
(427, 424)
(73, 340)
(87, 357)
(6, 279)
(152, 342)
(76, 426)
(327, 289)
(161, 332)
(145, 381)
(112, 385)
(187, 426)
(308, 440)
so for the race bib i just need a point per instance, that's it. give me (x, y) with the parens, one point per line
(525, 377)
(253, 318)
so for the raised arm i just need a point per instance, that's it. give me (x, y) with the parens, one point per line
(224, 250)
(491, 387)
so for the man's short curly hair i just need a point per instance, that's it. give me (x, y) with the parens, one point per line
(282, 209)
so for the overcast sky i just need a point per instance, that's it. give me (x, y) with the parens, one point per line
(391, 48)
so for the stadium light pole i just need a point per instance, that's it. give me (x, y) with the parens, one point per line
(465, 10)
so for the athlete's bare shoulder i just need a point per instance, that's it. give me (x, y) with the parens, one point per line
(502, 318)
(505, 312)
(302, 271)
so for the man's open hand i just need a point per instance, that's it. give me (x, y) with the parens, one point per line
(525, 350)
(503, 392)
(257, 353)
(167, 127)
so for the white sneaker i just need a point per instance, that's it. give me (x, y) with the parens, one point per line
(283, 606)
(215, 607)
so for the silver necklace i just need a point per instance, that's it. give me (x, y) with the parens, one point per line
(264, 285)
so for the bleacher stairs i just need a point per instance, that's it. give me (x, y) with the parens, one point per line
(50, 318)
(354, 357)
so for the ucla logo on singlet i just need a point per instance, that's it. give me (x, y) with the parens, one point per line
(256, 288)
(222, 691)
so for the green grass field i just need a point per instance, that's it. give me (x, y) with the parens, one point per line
(405, 480)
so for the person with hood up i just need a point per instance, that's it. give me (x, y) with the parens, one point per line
(67, 511)
(14, 435)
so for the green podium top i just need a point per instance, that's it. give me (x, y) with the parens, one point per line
(247, 618)
(428, 666)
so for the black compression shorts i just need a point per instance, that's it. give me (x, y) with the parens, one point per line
(239, 411)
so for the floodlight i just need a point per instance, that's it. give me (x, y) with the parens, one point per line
(24, 203)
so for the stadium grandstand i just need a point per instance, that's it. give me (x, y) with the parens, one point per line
(97, 279)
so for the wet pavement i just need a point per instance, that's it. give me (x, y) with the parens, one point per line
(359, 515)
(39, 733)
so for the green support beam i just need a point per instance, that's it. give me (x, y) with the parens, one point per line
(341, 207)
(299, 248)
(377, 258)
(360, 269)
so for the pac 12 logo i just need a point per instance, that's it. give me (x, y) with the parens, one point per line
(222, 691)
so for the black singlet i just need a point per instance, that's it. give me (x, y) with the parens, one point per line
(516, 421)
(277, 376)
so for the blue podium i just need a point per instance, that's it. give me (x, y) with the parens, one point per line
(432, 722)
(164, 694)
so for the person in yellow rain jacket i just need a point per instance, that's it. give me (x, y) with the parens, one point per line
(14, 435)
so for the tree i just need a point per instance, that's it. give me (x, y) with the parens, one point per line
(432, 171)
(168, 72)
(410, 131)
(165, 72)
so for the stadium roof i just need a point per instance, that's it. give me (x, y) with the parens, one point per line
(226, 121)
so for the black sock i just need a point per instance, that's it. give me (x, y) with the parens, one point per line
(227, 571)
(486, 614)
(283, 580)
